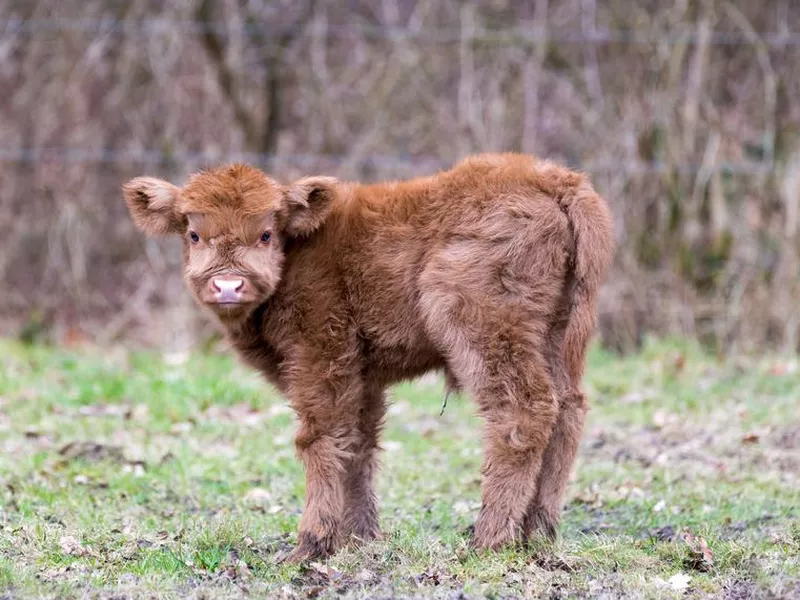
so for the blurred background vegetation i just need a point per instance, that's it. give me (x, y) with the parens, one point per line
(683, 112)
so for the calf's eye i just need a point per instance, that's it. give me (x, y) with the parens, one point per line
(265, 237)
(194, 237)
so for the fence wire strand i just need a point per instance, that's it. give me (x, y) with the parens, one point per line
(511, 35)
(71, 155)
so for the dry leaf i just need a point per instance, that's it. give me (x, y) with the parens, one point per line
(700, 556)
(662, 418)
(329, 572)
(175, 359)
(184, 427)
(138, 412)
(70, 545)
(633, 398)
(91, 451)
(429, 577)
(278, 409)
(314, 591)
(104, 410)
(750, 438)
(679, 582)
(590, 496)
(257, 496)
(74, 338)
(364, 576)
(778, 370)
(242, 414)
(137, 469)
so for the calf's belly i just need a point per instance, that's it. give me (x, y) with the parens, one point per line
(388, 365)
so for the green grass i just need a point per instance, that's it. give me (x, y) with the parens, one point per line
(139, 475)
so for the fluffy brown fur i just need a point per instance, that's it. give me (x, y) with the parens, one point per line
(489, 271)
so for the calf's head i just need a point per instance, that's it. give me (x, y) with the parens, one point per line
(234, 222)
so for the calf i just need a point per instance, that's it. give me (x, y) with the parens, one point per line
(334, 291)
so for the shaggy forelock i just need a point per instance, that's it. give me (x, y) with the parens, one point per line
(242, 188)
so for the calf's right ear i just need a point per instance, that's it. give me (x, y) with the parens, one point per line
(151, 203)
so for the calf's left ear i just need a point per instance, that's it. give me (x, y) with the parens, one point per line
(151, 203)
(310, 200)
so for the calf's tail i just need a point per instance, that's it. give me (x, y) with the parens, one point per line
(593, 234)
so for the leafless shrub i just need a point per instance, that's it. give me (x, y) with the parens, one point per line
(682, 111)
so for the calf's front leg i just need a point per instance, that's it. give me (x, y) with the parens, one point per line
(326, 441)
(360, 503)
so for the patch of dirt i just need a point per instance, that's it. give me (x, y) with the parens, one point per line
(552, 562)
(243, 414)
(316, 578)
(734, 529)
(601, 520)
(740, 589)
(131, 456)
(92, 451)
(787, 437)
(273, 549)
(666, 533)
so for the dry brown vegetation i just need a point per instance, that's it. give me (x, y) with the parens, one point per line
(683, 113)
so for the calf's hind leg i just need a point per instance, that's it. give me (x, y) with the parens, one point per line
(489, 304)
(544, 510)
(500, 361)
(520, 414)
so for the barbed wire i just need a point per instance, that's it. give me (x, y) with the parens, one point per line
(524, 35)
(86, 156)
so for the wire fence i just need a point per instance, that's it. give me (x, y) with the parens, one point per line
(520, 35)
(530, 34)
(687, 127)
(71, 155)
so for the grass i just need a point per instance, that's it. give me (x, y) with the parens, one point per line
(140, 475)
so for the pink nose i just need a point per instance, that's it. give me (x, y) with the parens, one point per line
(227, 290)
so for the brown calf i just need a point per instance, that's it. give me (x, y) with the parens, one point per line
(336, 290)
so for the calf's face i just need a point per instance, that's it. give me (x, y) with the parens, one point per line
(234, 222)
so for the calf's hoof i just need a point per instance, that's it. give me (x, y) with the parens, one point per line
(311, 547)
(493, 534)
(357, 539)
(362, 530)
(540, 522)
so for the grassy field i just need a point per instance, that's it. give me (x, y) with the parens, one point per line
(142, 475)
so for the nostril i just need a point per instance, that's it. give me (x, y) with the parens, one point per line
(227, 285)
